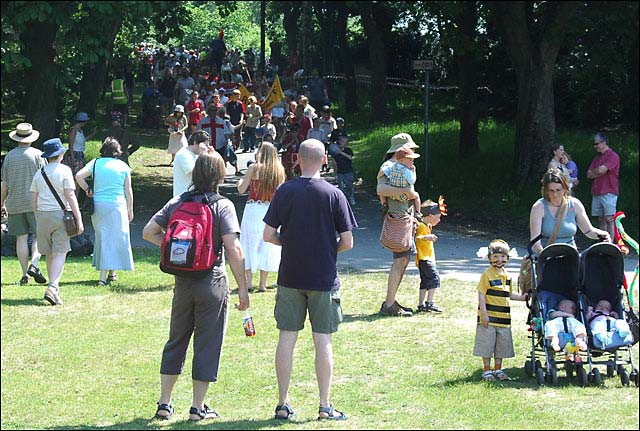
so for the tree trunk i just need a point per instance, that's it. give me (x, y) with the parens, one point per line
(37, 39)
(346, 63)
(291, 30)
(468, 73)
(94, 74)
(377, 22)
(533, 46)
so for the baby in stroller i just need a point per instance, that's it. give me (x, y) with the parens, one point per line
(606, 326)
(566, 332)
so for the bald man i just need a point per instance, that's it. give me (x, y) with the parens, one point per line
(315, 222)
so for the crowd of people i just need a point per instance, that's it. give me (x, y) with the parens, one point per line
(294, 222)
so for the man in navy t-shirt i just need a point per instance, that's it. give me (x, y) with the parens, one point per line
(315, 222)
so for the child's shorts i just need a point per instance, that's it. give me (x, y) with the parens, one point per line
(429, 275)
(493, 341)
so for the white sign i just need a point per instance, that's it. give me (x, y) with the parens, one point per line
(422, 64)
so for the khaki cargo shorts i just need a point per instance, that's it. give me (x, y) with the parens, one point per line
(290, 311)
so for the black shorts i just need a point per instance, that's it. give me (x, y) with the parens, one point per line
(429, 276)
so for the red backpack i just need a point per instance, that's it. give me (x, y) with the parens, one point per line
(187, 248)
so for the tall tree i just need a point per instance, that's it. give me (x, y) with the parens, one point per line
(534, 33)
(344, 56)
(377, 21)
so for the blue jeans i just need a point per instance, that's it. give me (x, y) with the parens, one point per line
(249, 138)
(345, 183)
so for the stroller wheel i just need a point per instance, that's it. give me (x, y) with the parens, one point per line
(540, 376)
(528, 368)
(611, 369)
(634, 376)
(568, 368)
(624, 376)
(596, 377)
(583, 378)
(538, 364)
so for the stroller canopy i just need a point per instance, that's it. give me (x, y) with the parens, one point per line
(558, 270)
(602, 273)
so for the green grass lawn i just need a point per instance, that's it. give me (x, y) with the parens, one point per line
(94, 362)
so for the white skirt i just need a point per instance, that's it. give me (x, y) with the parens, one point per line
(258, 254)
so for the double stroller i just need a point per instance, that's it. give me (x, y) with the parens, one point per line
(560, 272)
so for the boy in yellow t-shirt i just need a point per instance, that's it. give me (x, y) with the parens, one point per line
(493, 333)
(426, 257)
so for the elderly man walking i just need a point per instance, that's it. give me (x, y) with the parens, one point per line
(20, 164)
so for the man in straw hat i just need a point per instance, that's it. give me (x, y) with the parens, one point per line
(18, 169)
(396, 207)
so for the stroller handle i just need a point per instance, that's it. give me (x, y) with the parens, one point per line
(530, 244)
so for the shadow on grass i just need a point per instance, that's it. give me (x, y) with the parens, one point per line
(25, 301)
(127, 289)
(184, 424)
(518, 380)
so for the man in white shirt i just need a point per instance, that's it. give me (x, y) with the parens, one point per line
(186, 159)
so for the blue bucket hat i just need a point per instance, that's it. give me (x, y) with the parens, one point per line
(82, 116)
(52, 148)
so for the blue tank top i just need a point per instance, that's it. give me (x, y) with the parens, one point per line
(568, 226)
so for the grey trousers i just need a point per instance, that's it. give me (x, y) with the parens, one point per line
(200, 307)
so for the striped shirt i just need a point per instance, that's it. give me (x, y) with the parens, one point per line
(496, 286)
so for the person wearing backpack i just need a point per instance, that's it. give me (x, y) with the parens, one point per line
(201, 294)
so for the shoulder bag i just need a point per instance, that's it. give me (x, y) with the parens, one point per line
(524, 276)
(70, 223)
(397, 232)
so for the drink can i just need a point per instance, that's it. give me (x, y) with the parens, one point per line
(247, 324)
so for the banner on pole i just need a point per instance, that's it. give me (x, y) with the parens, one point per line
(275, 96)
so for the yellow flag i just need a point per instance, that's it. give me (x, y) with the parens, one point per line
(275, 95)
(244, 94)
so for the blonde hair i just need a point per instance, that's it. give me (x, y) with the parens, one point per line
(268, 171)
(556, 176)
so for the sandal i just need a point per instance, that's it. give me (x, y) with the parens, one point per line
(488, 376)
(204, 413)
(113, 277)
(284, 407)
(501, 375)
(164, 408)
(330, 414)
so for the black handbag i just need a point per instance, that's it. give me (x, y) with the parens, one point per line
(70, 223)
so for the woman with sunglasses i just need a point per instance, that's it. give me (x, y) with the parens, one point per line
(556, 202)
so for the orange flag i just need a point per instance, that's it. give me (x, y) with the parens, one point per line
(244, 94)
(275, 96)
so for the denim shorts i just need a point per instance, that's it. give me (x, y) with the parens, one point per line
(429, 275)
(604, 205)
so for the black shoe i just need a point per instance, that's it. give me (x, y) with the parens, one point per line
(34, 272)
(395, 310)
(433, 307)
(408, 309)
(24, 280)
(421, 309)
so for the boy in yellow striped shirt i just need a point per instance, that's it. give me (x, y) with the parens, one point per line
(493, 333)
